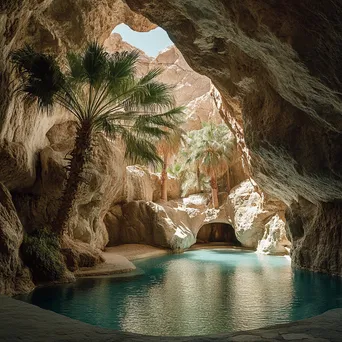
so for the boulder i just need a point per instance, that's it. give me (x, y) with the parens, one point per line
(78, 254)
(274, 240)
(150, 223)
(252, 213)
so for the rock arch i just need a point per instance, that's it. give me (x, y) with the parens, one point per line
(217, 232)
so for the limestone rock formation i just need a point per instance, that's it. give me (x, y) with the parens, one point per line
(14, 277)
(78, 254)
(139, 184)
(277, 67)
(258, 221)
(172, 224)
(274, 240)
(256, 218)
(104, 182)
(319, 227)
(150, 223)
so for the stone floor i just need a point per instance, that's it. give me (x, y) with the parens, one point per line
(23, 322)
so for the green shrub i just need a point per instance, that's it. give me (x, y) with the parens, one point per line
(40, 251)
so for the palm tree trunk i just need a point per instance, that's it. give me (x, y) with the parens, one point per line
(228, 179)
(214, 190)
(163, 179)
(79, 154)
(198, 176)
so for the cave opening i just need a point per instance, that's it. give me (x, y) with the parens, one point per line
(217, 233)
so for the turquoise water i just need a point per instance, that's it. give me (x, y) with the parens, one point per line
(198, 292)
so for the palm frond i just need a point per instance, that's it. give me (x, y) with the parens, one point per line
(153, 96)
(122, 65)
(140, 150)
(211, 148)
(76, 70)
(150, 76)
(95, 62)
(41, 77)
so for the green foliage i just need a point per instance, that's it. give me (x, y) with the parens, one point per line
(41, 76)
(205, 151)
(103, 93)
(211, 149)
(40, 251)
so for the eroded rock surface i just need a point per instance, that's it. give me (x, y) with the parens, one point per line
(52, 26)
(174, 224)
(317, 227)
(177, 224)
(276, 66)
(14, 277)
(256, 219)
(104, 182)
(151, 223)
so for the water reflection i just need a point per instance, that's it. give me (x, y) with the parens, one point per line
(199, 292)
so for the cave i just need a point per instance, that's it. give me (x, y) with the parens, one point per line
(277, 85)
(217, 233)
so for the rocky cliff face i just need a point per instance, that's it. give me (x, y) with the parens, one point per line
(276, 66)
(192, 90)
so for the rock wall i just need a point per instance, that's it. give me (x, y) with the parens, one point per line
(316, 227)
(276, 64)
(258, 220)
(14, 277)
(104, 182)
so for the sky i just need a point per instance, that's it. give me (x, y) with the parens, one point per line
(150, 42)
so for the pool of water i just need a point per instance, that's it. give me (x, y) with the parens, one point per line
(198, 292)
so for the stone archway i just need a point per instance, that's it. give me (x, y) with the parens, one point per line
(217, 232)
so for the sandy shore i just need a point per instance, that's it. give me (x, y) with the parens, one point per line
(134, 251)
(211, 245)
(118, 260)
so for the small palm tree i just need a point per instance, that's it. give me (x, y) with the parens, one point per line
(210, 150)
(103, 94)
(168, 147)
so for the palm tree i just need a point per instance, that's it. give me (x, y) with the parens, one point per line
(210, 150)
(103, 94)
(167, 147)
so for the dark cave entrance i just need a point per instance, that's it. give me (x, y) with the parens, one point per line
(217, 232)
